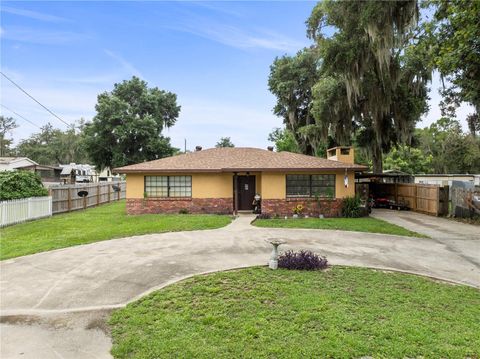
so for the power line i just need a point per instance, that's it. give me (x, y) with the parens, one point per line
(34, 99)
(26, 119)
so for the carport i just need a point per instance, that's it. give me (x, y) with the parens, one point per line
(396, 191)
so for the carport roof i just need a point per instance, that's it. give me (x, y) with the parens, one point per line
(237, 159)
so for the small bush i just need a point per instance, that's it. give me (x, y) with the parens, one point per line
(183, 211)
(302, 260)
(264, 216)
(20, 184)
(351, 207)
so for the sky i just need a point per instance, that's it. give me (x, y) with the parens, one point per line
(214, 55)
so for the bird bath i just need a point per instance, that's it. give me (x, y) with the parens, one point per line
(275, 242)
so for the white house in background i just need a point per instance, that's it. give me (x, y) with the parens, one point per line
(78, 173)
(16, 163)
(106, 175)
(446, 179)
(83, 173)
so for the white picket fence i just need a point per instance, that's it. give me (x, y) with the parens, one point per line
(22, 210)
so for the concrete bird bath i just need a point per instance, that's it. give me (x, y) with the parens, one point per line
(275, 242)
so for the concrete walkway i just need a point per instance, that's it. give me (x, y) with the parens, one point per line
(54, 304)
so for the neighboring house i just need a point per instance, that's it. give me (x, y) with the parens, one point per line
(106, 175)
(48, 174)
(16, 163)
(446, 179)
(225, 180)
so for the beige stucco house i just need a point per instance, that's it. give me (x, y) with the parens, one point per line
(225, 180)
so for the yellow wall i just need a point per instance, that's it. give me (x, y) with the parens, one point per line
(212, 185)
(270, 185)
(135, 185)
(274, 184)
(204, 185)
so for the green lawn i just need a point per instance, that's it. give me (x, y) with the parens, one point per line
(93, 225)
(339, 313)
(364, 224)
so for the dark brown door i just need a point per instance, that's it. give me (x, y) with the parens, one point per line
(246, 192)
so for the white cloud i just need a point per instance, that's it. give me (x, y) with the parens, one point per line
(204, 122)
(236, 37)
(33, 14)
(36, 36)
(127, 66)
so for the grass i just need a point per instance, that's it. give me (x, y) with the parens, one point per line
(339, 313)
(364, 224)
(93, 225)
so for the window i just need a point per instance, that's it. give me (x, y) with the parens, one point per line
(168, 186)
(311, 186)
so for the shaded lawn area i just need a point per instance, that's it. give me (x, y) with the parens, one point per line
(95, 224)
(363, 224)
(339, 313)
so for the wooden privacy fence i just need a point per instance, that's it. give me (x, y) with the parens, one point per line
(429, 199)
(65, 198)
(25, 209)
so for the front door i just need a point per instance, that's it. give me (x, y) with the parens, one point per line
(246, 192)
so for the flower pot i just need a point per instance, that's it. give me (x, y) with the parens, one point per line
(295, 216)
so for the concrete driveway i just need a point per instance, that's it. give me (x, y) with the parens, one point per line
(54, 304)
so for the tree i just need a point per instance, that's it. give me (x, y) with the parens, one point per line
(7, 124)
(291, 80)
(224, 142)
(20, 184)
(409, 160)
(128, 125)
(52, 146)
(454, 41)
(371, 82)
(283, 140)
(452, 151)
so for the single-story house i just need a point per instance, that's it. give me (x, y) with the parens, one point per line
(16, 163)
(225, 180)
(48, 174)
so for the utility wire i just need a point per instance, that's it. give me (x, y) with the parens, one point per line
(34, 99)
(26, 119)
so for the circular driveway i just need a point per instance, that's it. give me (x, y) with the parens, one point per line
(59, 299)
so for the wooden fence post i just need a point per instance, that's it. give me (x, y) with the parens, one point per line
(108, 191)
(98, 193)
(69, 200)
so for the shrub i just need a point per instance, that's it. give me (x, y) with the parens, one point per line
(183, 211)
(264, 216)
(351, 207)
(20, 184)
(303, 260)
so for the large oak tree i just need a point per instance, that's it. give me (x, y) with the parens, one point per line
(128, 125)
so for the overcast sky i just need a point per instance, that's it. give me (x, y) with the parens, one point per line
(214, 55)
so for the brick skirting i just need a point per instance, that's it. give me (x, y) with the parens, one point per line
(168, 205)
(312, 207)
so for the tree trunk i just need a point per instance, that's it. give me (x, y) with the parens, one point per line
(377, 159)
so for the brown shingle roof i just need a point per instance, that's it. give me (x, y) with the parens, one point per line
(237, 159)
